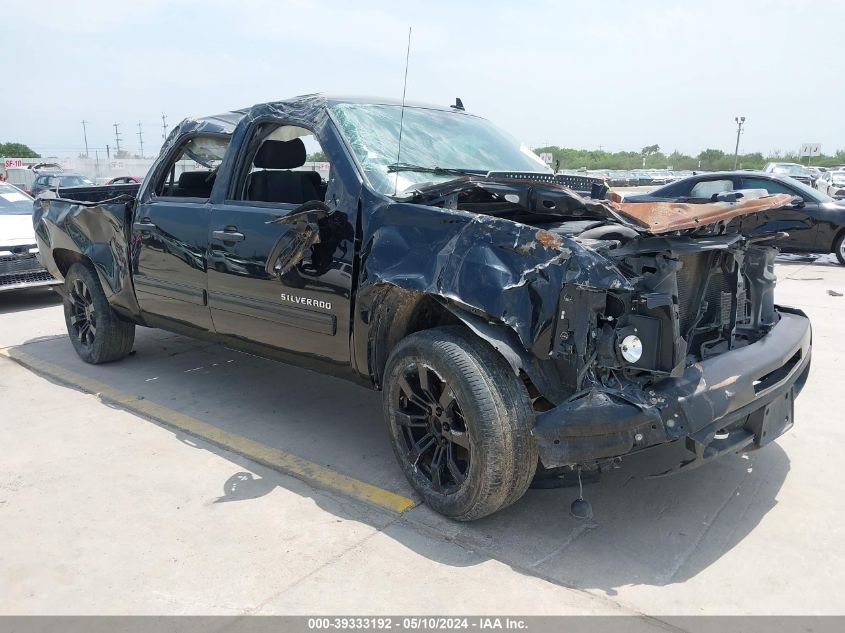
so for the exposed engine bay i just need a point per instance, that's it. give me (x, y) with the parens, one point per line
(686, 286)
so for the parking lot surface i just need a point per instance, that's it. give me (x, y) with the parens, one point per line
(189, 478)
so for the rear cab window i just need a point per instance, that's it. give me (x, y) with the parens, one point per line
(192, 170)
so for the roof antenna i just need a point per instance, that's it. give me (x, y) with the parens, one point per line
(402, 115)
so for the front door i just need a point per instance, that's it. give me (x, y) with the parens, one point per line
(280, 258)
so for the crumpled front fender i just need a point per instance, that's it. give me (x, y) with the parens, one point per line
(501, 270)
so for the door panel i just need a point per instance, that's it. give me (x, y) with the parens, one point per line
(169, 260)
(299, 302)
(801, 228)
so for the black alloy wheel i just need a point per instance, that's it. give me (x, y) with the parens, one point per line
(96, 331)
(433, 428)
(83, 319)
(459, 420)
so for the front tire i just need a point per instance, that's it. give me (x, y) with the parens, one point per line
(460, 423)
(839, 247)
(98, 335)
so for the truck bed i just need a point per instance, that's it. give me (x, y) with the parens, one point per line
(98, 193)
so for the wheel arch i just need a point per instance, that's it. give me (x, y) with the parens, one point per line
(397, 313)
(836, 237)
(65, 258)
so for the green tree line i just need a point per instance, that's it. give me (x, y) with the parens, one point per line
(17, 150)
(653, 158)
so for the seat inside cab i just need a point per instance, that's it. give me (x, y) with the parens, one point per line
(275, 180)
(278, 171)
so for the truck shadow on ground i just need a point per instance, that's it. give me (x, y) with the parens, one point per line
(645, 531)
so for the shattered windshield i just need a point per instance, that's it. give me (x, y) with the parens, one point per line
(437, 145)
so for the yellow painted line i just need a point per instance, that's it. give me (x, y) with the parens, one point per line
(298, 467)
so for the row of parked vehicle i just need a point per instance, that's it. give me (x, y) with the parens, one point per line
(633, 178)
(828, 180)
(40, 177)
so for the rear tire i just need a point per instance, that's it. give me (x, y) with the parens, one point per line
(839, 247)
(460, 423)
(97, 333)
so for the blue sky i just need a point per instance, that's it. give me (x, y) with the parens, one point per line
(619, 75)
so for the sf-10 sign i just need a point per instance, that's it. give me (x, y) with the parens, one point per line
(11, 163)
(811, 149)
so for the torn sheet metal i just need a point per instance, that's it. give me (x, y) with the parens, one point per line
(663, 217)
(96, 230)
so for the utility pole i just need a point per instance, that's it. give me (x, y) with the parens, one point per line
(85, 136)
(740, 121)
(141, 138)
(116, 140)
(108, 153)
(163, 127)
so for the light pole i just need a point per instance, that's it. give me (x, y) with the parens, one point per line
(740, 121)
(85, 136)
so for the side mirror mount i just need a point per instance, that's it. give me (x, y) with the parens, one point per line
(797, 203)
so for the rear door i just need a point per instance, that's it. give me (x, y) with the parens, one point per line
(280, 262)
(170, 235)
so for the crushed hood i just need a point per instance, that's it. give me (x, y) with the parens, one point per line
(549, 196)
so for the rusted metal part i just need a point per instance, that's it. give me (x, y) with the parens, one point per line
(548, 239)
(663, 217)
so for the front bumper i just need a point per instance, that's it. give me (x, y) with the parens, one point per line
(20, 268)
(739, 400)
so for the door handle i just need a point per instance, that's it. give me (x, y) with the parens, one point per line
(144, 225)
(229, 234)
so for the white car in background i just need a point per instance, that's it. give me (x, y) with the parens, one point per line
(832, 183)
(19, 265)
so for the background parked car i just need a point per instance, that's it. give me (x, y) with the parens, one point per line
(19, 265)
(51, 181)
(832, 183)
(815, 172)
(21, 177)
(815, 223)
(620, 178)
(659, 176)
(641, 177)
(793, 170)
(124, 180)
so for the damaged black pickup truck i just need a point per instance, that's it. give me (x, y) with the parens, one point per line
(512, 323)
